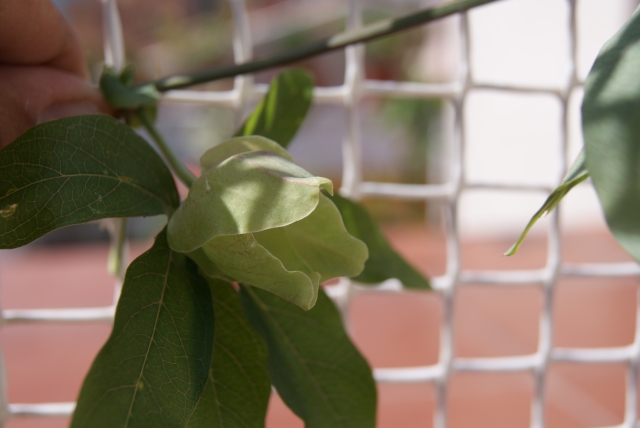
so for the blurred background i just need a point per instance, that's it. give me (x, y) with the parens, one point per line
(510, 138)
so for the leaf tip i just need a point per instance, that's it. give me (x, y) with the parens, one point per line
(327, 186)
(513, 250)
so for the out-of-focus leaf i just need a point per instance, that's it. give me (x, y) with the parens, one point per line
(320, 241)
(314, 366)
(238, 390)
(383, 262)
(153, 369)
(242, 258)
(576, 175)
(282, 111)
(76, 170)
(213, 157)
(611, 128)
(246, 193)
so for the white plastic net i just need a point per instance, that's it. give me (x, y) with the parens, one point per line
(447, 195)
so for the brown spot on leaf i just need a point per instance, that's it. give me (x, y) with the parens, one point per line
(8, 211)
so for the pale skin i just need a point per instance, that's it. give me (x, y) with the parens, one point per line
(43, 73)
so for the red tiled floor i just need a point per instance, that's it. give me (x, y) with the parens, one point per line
(48, 362)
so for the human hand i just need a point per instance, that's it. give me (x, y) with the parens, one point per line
(43, 74)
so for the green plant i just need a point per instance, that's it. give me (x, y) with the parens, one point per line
(228, 300)
(611, 129)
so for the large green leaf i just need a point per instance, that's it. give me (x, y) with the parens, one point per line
(242, 258)
(611, 128)
(383, 262)
(320, 241)
(314, 366)
(238, 390)
(281, 112)
(153, 369)
(576, 175)
(214, 156)
(246, 193)
(76, 170)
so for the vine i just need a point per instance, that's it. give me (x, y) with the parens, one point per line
(228, 301)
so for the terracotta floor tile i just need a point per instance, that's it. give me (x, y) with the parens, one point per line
(48, 362)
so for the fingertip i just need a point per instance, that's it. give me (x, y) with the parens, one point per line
(67, 109)
(32, 95)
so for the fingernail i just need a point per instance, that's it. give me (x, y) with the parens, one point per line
(58, 111)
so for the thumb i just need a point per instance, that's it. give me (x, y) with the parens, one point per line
(32, 95)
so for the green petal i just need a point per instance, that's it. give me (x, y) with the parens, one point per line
(322, 241)
(242, 258)
(277, 242)
(235, 146)
(207, 267)
(246, 193)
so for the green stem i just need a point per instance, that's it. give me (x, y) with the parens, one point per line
(116, 252)
(364, 34)
(180, 169)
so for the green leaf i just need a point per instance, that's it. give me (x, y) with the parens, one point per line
(383, 262)
(320, 241)
(611, 128)
(276, 242)
(238, 390)
(207, 267)
(314, 366)
(289, 261)
(576, 175)
(281, 112)
(213, 157)
(242, 258)
(246, 193)
(76, 170)
(153, 369)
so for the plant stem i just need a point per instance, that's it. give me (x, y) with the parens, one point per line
(179, 168)
(364, 34)
(116, 251)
